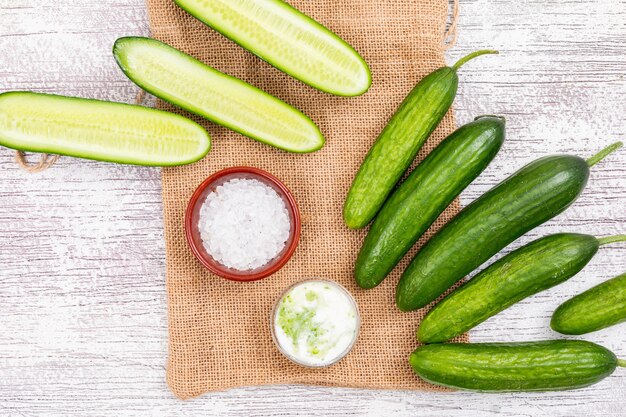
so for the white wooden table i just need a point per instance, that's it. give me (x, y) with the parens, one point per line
(82, 295)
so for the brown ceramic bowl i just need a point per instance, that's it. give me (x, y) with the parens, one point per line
(193, 215)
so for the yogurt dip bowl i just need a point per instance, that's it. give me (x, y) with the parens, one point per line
(315, 323)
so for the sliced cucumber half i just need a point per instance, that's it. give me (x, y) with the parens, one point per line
(188, 83)
(99, 130)
(288, 39)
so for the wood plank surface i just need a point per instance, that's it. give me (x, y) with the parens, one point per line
(82, 294)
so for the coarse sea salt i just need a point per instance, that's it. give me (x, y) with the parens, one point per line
(244, 224)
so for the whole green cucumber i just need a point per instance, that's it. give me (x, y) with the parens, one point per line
(597, 308)
(425, 194)
(398, 144)
(551, 365)
(533, 268)
(530, 197)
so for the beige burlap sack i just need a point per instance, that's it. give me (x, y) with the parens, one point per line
(219, 330)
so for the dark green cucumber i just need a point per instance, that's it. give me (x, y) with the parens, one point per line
(425, 194)
(533, 268)
(597, 308)
(551, 365)
(530, 197)
(398, 144)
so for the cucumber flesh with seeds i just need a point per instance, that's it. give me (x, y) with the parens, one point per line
(400, 141)
(528, 198)
(289, 40)
(597, 308)
(533, 268)
(188, 83)
(552, 365)
(99, 130)
(425, 194)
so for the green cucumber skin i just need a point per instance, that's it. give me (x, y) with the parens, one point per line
(425, 194)
(300, 77)
(533, 268)
(597, 308)
(86, 155)
(119, 57)
(530, 197)
(398, 144)
(552, 365)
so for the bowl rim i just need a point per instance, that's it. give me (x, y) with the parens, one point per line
(294, 359)
(225, 273)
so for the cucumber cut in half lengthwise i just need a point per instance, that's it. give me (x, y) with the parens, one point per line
(99, 130)
(188, 83)
(289, 40)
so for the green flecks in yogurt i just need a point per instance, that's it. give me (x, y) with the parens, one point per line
(311, 295)
(299, 323)
(295, 322)
(316, 322)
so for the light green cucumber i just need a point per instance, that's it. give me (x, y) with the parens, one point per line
(287, 39)
(188, 83)
(99, 130)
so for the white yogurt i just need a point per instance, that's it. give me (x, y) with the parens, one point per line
(315, 323)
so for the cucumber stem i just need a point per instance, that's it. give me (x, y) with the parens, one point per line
(473, 55)
(621, 362)
(611, 239)
(604, 153)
